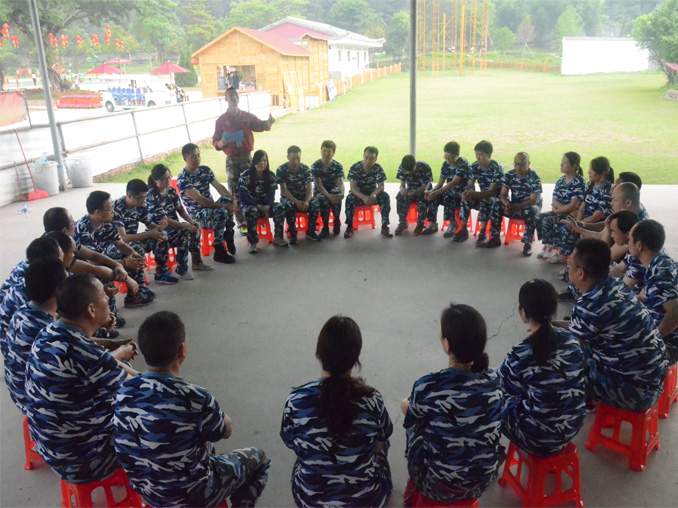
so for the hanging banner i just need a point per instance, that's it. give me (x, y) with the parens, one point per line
(12, 108)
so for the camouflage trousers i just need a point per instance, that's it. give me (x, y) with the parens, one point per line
(216, 219)
(242, 473)
(383, 200)
(290, 212)
(325, 206)
(450, 200)
(528, 214)
(403, 206)
(252, 213)
(184, 242)
(484, 207)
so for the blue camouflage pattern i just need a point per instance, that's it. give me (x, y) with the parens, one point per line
(129, 219)
(625, 356)
(453, 427)
(70, 389)
(548, 223)
(485, 178)
(23, 329)
(451, 200)
(15, 298)
(200, 181)
(520, 190)
(98, 240)
(661, 286)
(296, 181)
(544, 405)
(598, 199)
(328, 175)
(366, 182)
(420, 176)
(346, 473)
(15, 277)
(250, 200)
(164, 430)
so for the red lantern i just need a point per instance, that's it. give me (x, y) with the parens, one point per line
(108, 27)
(78, 39)
(194, 61)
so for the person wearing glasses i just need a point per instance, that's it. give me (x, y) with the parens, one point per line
(525, 202)
(625, 356)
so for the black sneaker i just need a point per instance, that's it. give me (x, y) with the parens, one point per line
(566, 295)
(480, 242)
(119, 320)
(527, 250)
(493, 242)
(461, 236)
(137, 300)
(312, 235)
(348, 233)
(324, 232)
(147, 292)
(337, 226)
(230, 242)
(293, 238)
(221, 256)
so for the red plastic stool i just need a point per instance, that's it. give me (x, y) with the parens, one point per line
(83, 492)
(122, 286)
(301, 221)
(642, 423)
(206, 241)
(416, 499)
(364, 215)
(330, 221)
(31, 454)
(488, 228)
(469, 225)
(670, 393)
(173, 184)
(565, 461)
(171, 259)
(413, 215)
(264, 229)
(515, 230)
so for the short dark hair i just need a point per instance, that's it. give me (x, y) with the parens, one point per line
(328, 143)
(372, 149)
(626, 219)
(452, 147)
(188, 149)
(41, 248)
(160, 336)
(230, 89)
(408, 163)
(56, 219)
(651, 233)
(484, 147)
(75, 294)
(65, 242)
(43, 277)
(96, 200)
(293, 149)
(136, 187)
(630, 176)
(630, 192)
(593, 256)
(465, 330)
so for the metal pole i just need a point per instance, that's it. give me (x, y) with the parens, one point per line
(48, 93)
(136, 133)
(188, 131)
(413, 77)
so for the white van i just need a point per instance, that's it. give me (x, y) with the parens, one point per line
(134, 91)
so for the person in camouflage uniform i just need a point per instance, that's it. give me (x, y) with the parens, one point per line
(296, 191)
(367, 179)
(328, 176)
(415, 179)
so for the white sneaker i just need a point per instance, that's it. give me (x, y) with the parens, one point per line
(185, 276)
(279, 241)
(547, 253)
(558, 258)
(253, 248)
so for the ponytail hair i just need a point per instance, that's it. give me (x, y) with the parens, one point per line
(157, 173)
(465, 331)
(601, 166)
(538, 300)
(575, 160)
(338, 349)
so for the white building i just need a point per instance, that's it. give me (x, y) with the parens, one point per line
(349, 53)
(591, 55)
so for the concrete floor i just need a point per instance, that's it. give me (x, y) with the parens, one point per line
(252, 330)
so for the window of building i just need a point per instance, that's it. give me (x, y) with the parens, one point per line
(339, 55)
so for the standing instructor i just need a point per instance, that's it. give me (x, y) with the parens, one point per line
(233, 134)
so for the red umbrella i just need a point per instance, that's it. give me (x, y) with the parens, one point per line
(106, 69)
(119, 61)
(169, 68)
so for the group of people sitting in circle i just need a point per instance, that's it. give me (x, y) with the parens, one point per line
(90, 412)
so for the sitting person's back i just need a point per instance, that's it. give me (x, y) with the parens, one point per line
(339, 428)
(165, 427)
(542, 378)
(452, 417)
(71, 384)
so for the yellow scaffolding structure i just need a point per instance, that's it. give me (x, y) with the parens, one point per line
(461, 32)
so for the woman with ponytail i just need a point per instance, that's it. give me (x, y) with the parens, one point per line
(542, 378)
(567, 195)
(339, 428)
(452, 417)
(164, 206)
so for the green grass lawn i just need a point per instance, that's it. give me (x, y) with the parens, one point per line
(620, 116)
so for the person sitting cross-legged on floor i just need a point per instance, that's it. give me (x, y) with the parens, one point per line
(660, 285)
(454, 176)
(625, 356)
(524, 185)
(453, 417)
(194, 187)
(367, 179)
(71, 384)
(257, 198)
(97, 231)
(165, 429)
(542, 378)
(328, 175)
(164, 206)
(415, 179)
(296, 193)
(43, 277)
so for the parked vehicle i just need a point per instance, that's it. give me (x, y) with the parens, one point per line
(135, 91)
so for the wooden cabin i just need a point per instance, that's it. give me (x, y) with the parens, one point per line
(267, 61)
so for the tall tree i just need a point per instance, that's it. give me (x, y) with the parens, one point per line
(591, 12)
(658, 32)
(200, 26)
(398, 34)
(350, 15)
(503, 39)
(259, 13)
(159, 25)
